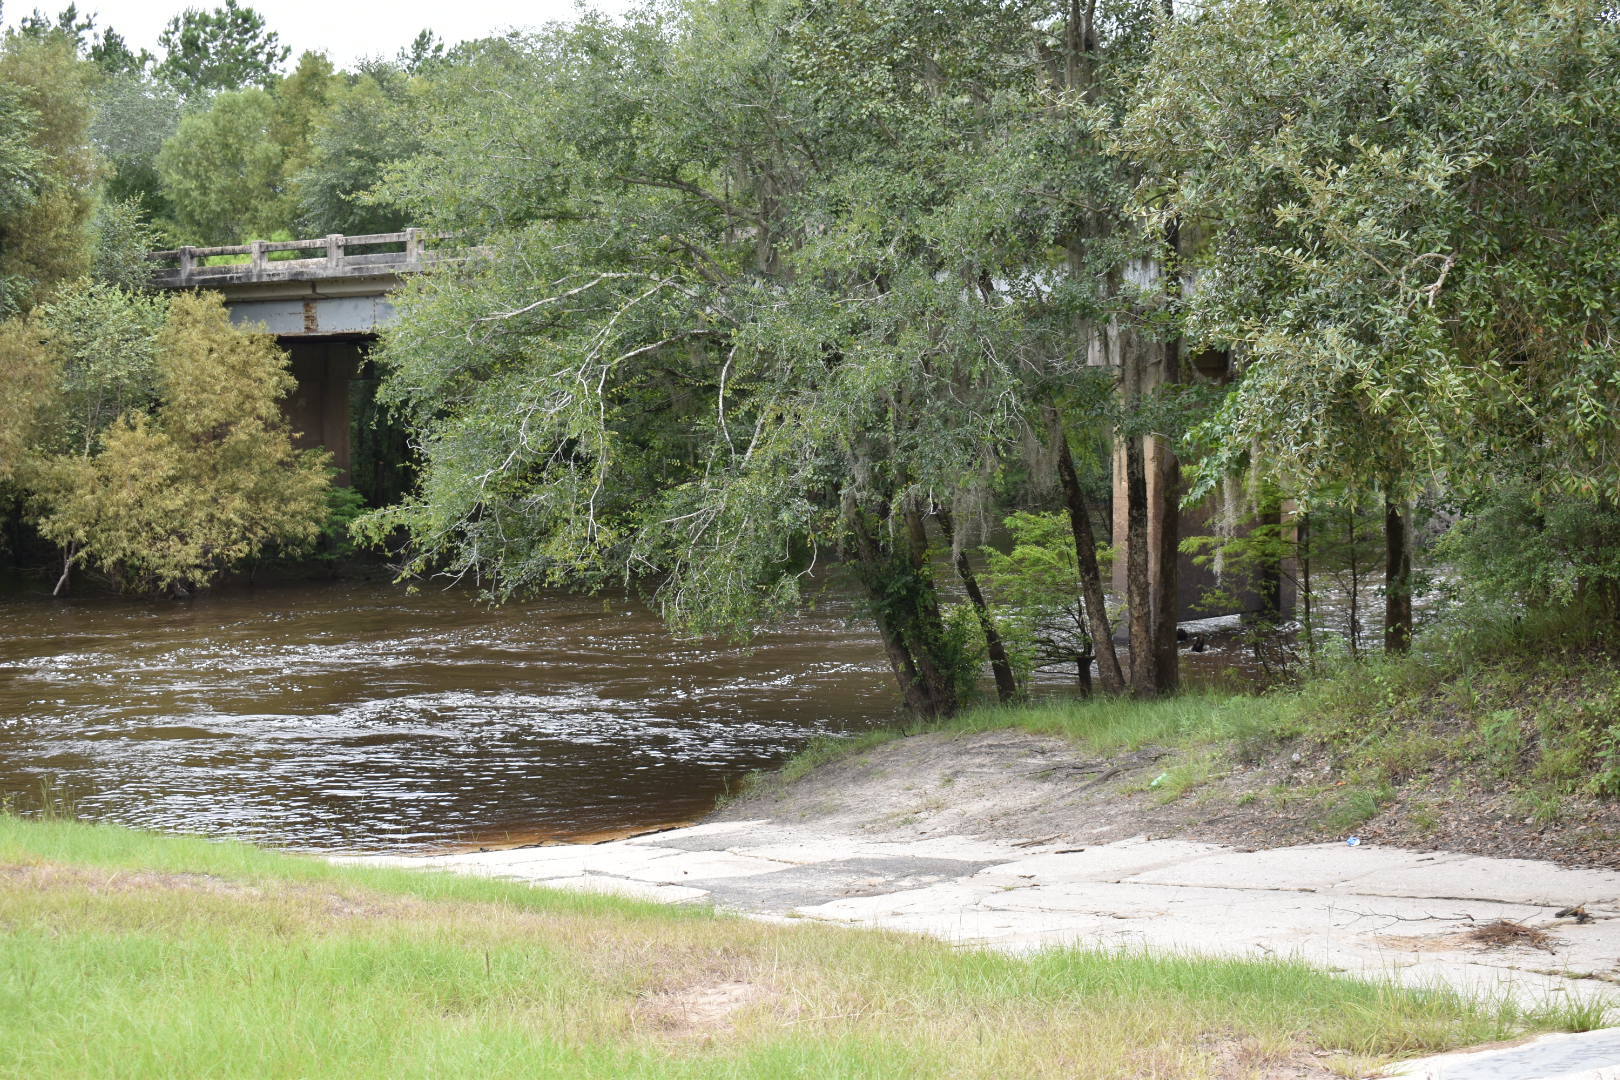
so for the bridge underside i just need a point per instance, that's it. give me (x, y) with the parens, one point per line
(327, 328)
(324, 299)
(319, 408)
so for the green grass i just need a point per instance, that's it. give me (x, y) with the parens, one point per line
(133, 955)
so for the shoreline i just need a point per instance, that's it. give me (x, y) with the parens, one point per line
(513, 839)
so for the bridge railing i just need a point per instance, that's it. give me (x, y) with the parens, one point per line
(338, 256)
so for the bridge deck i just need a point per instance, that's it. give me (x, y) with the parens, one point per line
(370, 255)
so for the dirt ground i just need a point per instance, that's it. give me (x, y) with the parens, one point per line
(1010, 785)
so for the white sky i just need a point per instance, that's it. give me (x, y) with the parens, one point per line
(345, 29)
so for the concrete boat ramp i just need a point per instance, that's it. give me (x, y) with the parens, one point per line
(1532, 930)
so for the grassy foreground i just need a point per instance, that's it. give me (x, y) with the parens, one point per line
(132, 954)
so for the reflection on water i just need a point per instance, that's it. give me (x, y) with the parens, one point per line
(360, 717)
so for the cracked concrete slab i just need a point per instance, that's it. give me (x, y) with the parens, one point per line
(1372, 911)
(1312, 866)
(683, 867)
(1588, 1055)
(796, 887)
(1524, 881)
(716, 836)
(1104, 862)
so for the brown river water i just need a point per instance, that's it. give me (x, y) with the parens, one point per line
(357, 717)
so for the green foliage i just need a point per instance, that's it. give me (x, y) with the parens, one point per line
(164, 459)
(46, 168)
(1415, 259)
(753, 296)
(301, 99)
(228, 48)
(1514, 545)
(221, 171)
(107, 50)
(123, 241)
(134, 116)
(27, 385)
(112, 54)
(369, 125)
(343, 507)
(20, 163)
(105, 341)
(1354, 808)
(1502, 740)
(1036, 586)
(68, 23)
(425, 51)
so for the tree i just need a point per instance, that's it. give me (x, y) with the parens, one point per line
(46, 167)
(302, 99)
(123, 241)
(425, 51)
(221, 170)
(112, 54)
(196, 471)
(370, 126)
(20, 159)
(68, 23)
(104, 343)
(1409, 258)
(107, 50)
(730, 323)
(228, 48)
(134, 115)
(27, 384)
(1043, 616)
(767, 282)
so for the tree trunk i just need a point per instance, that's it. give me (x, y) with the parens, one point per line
(1397, 578)
(1269, 575)
(1085, 547)
(1167, 473)
(1355, 585)
(908, 618)
(925, 626)
(1138, 591)
(1000, 666)
(1302, 546)
(1167, 564)
(67, 569)
(1082, 675)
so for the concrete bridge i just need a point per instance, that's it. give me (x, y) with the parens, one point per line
(324, 299)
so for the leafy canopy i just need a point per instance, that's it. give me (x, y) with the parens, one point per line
(1407, 235)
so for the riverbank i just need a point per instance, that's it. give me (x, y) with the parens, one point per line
(177, 957)
(1502, 743)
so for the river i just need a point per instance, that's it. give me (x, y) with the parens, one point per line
(360, 717)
